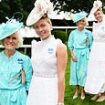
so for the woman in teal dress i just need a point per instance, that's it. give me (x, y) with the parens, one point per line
(79, 43)
(15, 68)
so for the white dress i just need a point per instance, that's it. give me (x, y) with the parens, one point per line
(95, 82)
(43, 88)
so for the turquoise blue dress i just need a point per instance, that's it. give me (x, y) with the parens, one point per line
(12, 91)
(80, 42)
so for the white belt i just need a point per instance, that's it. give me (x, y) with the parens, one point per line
(45, 75)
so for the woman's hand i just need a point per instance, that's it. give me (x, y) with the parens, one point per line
(74, 58)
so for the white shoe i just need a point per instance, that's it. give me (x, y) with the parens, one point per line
(75, 96)
(82, 97)
(95, 97)
(101, 99)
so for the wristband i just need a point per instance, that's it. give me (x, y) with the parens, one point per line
(60, 103)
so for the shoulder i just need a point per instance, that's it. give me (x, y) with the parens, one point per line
(88, 32)
(61, 47)
(34, 42)
(1, 54)
(22, 56)
(73, 31)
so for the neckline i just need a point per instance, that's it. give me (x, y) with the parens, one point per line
(49, 38)
(10, 56)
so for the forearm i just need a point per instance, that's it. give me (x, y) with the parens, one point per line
(61, 90)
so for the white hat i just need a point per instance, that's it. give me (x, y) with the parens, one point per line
(96, 5)
(41, 7)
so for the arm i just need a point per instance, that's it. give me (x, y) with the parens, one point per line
(28, 72)
(61, 67)
(70, 46)
(90, 37)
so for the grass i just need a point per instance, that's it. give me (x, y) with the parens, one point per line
(69, 91)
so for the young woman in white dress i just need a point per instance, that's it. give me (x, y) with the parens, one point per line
(95, 83)
(49, 59)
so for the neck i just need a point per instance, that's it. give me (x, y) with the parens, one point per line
(9, 53)
(80, 28)
(46, 37)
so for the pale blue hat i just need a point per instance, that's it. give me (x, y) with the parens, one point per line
(78, 16)
(8, 28)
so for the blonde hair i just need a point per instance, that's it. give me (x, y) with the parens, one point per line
(45, 16)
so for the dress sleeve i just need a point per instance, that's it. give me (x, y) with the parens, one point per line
(90, 37)
(27, 67)
(70, 41)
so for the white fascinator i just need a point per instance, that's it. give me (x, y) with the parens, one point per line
(96, 5)
(41, 7)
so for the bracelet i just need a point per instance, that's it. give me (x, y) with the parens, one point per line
(60, 103)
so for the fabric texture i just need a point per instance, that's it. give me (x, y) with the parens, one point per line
(12, 91)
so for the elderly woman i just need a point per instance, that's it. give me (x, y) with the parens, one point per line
(49, 59)
(15, 68)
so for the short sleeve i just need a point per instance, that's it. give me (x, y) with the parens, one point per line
(70, 41)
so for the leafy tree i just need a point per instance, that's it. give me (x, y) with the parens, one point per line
(9, 7)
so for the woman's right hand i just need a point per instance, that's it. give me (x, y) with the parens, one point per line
(74, 58)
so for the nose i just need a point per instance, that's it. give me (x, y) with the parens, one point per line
(40, 29)
(10, 39)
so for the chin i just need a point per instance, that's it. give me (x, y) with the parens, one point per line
(10, 48)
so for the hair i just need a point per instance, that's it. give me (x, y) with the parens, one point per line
(45, 16)
(86, 21)
(99, 9)
(19, 38)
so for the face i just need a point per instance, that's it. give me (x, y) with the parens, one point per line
(43, 28)
(82, 23)
(11, 42)
(98, 15)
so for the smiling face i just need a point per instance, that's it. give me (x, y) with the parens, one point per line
(99, 15)
(11, 42)
(81, 23)
(43, 28)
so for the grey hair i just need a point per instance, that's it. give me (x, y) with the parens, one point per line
(19, 37)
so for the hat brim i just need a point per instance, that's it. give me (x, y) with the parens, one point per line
(82, 17)
(33, 17)
(5, 35)
(93, 10)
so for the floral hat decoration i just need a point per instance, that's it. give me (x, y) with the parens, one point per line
(10, 27)
(41, 7)
(96, 5)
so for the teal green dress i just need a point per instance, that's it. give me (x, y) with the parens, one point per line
(12, 91)
(80, 42)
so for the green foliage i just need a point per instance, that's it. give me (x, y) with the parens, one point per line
(9, 7)
(61, 35)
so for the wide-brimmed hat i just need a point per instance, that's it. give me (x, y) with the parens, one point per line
(8, 28)
(96, 5)
(79, 16)
(41, 7)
